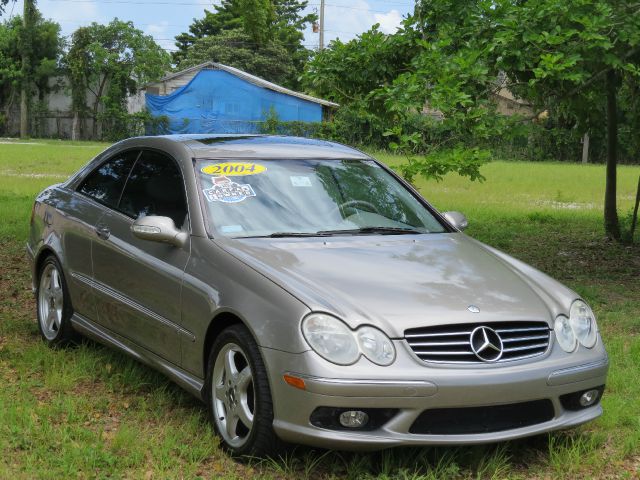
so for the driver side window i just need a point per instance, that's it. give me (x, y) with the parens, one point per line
(155, 187)
(105, 183)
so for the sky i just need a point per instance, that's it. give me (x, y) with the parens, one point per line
(164, 19)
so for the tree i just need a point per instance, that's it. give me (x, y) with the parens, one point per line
(46, 45)
(3, 5)
(111, 61)
(575, 57)
(258, 19)
(227, 16)
(344, 72)
(235, 48)
(415, 87)
(264, 27)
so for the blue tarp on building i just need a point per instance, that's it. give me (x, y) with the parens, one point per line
(216, 101)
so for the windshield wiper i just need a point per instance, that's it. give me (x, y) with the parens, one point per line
(352, 231)
(290, 234)
(367, 230)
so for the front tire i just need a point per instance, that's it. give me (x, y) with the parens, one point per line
(238, 396)
(54, 305)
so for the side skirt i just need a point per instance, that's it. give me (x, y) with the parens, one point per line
(190, 383)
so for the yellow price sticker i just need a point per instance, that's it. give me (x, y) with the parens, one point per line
(233, 169)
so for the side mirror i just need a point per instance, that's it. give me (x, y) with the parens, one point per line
(159, 229)
(457, 219)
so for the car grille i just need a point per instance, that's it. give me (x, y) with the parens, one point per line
(471, 420)
(452, 343)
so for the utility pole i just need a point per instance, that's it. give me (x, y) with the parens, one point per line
(27, 45)
(321, 24)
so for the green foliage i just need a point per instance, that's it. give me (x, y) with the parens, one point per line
(459, 54)
(45, 45)
(353, 71)
(465, 162)
(227, 16)
(235, 48)
(413, 92)
(111, 61)
(258, 17)
(117, 124)
(555, 53)
(263, 37)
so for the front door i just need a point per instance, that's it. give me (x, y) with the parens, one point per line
(138, 282)
(100, 191)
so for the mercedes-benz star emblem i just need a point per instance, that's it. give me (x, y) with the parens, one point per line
(486, 344)
(473, 309)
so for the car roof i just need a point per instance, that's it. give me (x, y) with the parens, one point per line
(262, 146)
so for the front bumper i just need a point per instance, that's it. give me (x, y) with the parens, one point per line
(410, 387)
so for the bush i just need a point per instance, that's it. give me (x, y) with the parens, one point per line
(118, 125)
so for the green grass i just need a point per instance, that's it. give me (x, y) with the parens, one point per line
(90, 412)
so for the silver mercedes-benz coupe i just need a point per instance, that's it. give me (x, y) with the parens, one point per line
(307, 294)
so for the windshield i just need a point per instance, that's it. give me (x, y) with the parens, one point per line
(307, 198)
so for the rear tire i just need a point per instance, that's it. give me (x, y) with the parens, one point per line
(238, 396)
(54, 305)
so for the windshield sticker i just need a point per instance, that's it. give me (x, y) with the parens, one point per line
(231, 228)
(233, 169)
(228, 191)
(299, 181)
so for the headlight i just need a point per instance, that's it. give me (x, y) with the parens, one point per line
(583, 323)
(330, 338)
(564, 334)
(375, 345)
(333, 340)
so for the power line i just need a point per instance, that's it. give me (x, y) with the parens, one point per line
(75, 22)
(155, 3)
(129, 2)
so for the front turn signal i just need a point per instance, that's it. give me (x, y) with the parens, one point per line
(295, 382)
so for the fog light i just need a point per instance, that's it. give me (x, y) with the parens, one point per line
(589, 397)
(353, 419)
(582, 398)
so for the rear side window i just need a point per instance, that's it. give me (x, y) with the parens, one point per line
(155, 187)
(105, 183)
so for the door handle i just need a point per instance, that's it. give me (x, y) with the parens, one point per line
(103, 231)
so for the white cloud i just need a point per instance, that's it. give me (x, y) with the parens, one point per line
(159, 31)
(389, 22)
(346, 20)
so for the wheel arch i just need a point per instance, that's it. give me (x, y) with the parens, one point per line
(219, 322)
(41, 256)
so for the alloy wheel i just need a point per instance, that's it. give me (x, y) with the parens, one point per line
(50, 302)
(233, 395)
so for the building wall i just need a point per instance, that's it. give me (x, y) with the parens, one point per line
(54, 116)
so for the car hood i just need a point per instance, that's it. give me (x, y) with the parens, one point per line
(399, 282)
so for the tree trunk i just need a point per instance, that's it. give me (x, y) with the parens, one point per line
(94, 127)
(24, 112)
(96, 105)
(634, 219)
(26, 67)
(611, 223)
(75, 127)
(585, 148)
